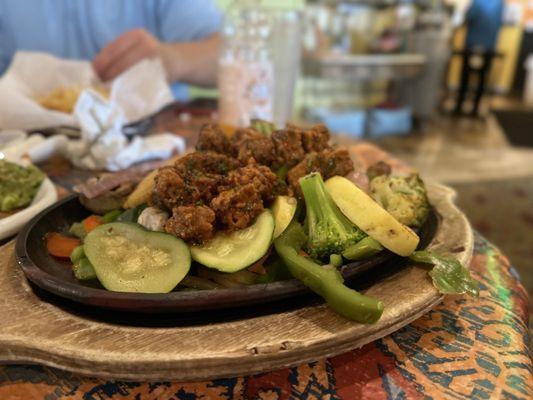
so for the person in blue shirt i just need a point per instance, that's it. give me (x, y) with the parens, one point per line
(484, 19)
(116, 34)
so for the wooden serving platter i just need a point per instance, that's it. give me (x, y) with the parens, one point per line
(34, 330)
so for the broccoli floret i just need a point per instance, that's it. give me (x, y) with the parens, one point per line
(329, 231)
(404, 197)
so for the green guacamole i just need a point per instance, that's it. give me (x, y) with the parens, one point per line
(18, 185)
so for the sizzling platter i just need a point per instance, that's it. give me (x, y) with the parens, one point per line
(245, 219)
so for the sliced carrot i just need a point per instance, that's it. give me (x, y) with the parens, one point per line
(92, 222)
(60, 245)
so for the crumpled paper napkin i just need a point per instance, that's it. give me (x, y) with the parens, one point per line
(103, 145)
(137, 93)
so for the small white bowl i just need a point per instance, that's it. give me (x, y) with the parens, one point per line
(11, 137)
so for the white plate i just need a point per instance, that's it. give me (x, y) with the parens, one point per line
(46, 196)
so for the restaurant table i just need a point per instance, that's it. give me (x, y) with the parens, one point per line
(463, 349)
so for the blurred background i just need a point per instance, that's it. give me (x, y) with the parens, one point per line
(392, 72)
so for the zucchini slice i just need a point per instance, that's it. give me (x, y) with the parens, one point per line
(371, 218)
(127, 258)
(231, 252)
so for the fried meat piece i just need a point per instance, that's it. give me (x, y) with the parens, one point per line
(194, 224)
(243, 134)
(378, 169)
(264, 181)
(211, 138)
(248, 143)
(316, 139)
(171, 190)
(205, 162)
(237, 208)
(260, 148)
(192, 180)
(288, 146)
(329, 163)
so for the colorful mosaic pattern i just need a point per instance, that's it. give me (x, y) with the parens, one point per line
(463, 349)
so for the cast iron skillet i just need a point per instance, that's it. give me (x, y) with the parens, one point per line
(55, 276)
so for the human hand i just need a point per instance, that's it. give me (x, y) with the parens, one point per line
(125, 51)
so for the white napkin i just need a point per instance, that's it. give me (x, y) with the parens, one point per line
(139, 91)
(103, 145)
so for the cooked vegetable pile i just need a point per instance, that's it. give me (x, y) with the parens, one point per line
(263, 206)
(18, 185)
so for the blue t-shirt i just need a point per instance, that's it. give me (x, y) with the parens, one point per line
(79, 29)
(484, 20)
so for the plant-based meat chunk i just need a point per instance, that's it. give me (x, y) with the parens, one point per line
(261, 149)
(194, 224)
(329, 163)
(237, 208)
(211, 138)
(378, 169)
(288, 146)
(262, 178)
(235, 178)
(210, 181)
(316, 138)
(206, 162)
(171, 190)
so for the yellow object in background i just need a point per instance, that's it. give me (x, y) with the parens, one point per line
(64, 98)
(503, 67)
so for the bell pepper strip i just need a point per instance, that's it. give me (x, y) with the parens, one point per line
(363, 249)
(59, 245)
(325, 280)
(91, 222)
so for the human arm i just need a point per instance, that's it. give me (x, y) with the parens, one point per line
(191, 61)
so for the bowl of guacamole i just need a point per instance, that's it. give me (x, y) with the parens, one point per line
(18, 185)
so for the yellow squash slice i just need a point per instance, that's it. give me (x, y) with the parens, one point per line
(371, 218)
